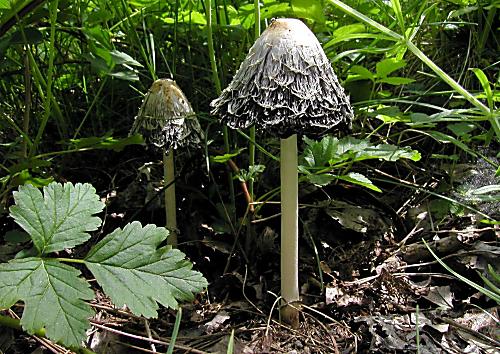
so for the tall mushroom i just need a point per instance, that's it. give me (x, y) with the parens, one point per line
(286, 86)
(167, 121)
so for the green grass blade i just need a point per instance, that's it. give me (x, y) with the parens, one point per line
(230, 345)
(175, 331)
(492, 295)
(396, 6)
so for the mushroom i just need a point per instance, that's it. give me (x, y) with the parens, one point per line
(286, 86)
(166, 120)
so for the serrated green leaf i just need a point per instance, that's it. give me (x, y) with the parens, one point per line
(389, 152)
(321, 179)
(331, 151)
(53, 295)
(318, 153)
(133, 272)
(359, 179)
(58, 219)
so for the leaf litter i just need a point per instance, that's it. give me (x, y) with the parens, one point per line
(368, 302)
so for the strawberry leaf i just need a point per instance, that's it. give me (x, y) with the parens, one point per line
(133, 271)
(58, 219)
(53, 295)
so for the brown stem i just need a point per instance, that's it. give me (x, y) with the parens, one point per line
(243, 185)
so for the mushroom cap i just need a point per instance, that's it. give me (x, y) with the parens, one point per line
(285, 85)
(166, 118)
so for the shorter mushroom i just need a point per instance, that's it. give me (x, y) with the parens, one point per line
(286, 86)
(166, 120)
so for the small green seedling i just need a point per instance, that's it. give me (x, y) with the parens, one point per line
(128, 264)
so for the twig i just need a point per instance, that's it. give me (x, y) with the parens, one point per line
(461, 327)
(148, 332)
(146, 339)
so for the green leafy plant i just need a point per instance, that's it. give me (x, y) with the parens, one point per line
(382, 75)
(321, 157)
(128, 264)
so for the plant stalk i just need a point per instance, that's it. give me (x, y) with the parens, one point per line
(50, 74)
(27, 101)
(218, 88)
(170, 204)
(251, 146)
(289, 232)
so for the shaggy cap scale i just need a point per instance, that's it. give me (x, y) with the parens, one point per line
(285, 85)
(166, 118)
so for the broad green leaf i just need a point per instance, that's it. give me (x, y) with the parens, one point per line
(25, 177)
(330, 151)
(396, 80)
(128, 75)
(462, 128)
(58, 219)
(361, 73)
(349, 29)
(133, 271)
(119, 58)
(321, 179)
(354, 37)
(352, 144)
(226, 157)
(387, 66)
(53, 295)
(359, 179)
(106, 142)
(389, 152)
(309, 9)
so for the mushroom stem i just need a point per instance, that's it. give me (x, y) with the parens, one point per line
(170, 205)
(289, 231)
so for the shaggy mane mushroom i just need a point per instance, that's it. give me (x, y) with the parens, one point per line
(286, 86)
(166, 120)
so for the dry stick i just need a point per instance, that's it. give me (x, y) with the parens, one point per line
(146, 339)
(148, 332)
(481, 336)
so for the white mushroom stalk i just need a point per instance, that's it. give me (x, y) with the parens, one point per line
(286, 86)
(167, 121)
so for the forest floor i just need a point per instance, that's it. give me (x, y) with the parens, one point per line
(368, 282)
